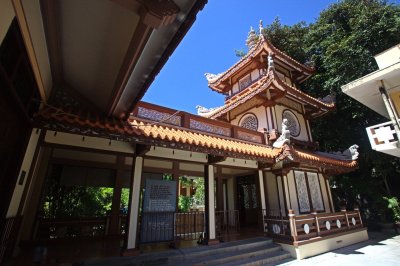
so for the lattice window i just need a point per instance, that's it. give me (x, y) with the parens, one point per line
(249, 121)
(315, 191)
(294, 125)
(244, 82)
(311, 197)
(302, 193)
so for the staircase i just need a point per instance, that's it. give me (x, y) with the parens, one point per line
(255, 251)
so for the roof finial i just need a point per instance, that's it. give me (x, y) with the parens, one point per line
(261, 27)
(251, 39)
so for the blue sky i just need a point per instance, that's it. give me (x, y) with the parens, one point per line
(209, 46)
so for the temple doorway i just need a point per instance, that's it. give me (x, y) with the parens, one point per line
(247, 200)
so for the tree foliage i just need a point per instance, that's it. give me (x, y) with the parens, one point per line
(341, 44)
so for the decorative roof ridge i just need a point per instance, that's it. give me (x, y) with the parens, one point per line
(271, 75)
(281, 53)
(216, 79)
(296, 90)
(299, 154)
(261, 83)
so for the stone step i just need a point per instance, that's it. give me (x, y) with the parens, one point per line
(243, 254)
(233, 246)
(273, 258)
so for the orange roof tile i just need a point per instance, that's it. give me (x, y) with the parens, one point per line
(149, 131)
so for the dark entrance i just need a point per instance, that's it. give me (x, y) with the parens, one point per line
(247, 200)
(18, 101)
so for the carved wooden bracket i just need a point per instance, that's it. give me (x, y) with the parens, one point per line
(212, 159)
(141, 149)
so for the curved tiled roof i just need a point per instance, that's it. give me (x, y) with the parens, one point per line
(262, 42)
(146, 131)
(261, 85)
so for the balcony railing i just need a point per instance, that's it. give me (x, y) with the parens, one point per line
(296, 228)
(195, 122)
(383, 138)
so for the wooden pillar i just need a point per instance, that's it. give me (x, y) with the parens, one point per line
(220, 192)
(262, 191)
(133, 214)
(209, 202)
(116, 200)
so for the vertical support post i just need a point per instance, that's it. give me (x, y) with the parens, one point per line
(391, 111)
(262, 191)
(132, 247)
(314, 212)
(220, 192)
(357, 209)
(116, 199)
(210, 208)
(293, 228)
(343, 209)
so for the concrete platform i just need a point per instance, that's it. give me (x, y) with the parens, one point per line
(380, 249)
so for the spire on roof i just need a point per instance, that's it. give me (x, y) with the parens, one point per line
(260, 27)
(251, 38)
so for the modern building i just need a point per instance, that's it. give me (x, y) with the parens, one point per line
(74, 73)
(380, 91)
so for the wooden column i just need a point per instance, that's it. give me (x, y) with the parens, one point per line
(209, 202)
(133, 214)
(220, 192)
(262, 191)
(116, 200)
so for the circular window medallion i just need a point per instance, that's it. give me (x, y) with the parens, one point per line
(293, 122)
(328, 225)
(338, 224)
(276, 229)
(353, 221)
(306, 229)
(249, 121)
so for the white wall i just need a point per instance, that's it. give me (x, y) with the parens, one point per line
(325, 195)
(272, 192)
(261, 114)
(303, 127)
(293, 193)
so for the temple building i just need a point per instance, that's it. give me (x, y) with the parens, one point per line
(262, 172)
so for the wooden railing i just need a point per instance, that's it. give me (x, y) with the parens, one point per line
(226, 222)
(60, 228)
(296, 228)
(195, 122)
(276, 225)
(189, 225)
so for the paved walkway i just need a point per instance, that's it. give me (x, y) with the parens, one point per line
(380, 249)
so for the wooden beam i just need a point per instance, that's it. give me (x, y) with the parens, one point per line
(262, 165)
(135, 49)
(26, 35)
(51, 23)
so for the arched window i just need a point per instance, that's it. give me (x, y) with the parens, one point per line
(249, 121)
(294, 125)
